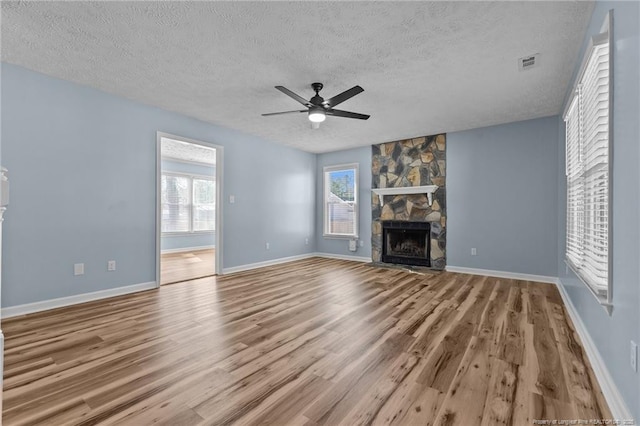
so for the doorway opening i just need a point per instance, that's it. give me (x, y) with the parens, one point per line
(188, 214)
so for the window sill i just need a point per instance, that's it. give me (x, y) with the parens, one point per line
(603, 300)
(340, 237)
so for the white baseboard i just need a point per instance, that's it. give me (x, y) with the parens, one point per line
(45, 305)
(618, 407)
(502, 274)
(182, 249)
(343, 257)
(271, 262)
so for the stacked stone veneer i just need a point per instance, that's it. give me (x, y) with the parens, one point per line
(411, 162)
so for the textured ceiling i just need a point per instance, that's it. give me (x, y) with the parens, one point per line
(178, 150)
(426, 67)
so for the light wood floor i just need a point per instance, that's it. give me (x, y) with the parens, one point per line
(183, 266)
(312, 342)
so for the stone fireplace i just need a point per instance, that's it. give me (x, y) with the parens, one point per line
(414, 172)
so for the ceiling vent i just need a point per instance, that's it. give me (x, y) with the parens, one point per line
(528, 62)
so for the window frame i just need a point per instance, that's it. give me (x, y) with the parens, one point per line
(605, 36)
(356, 200)
(191, 177)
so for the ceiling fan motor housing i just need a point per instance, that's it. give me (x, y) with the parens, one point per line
(317, 99)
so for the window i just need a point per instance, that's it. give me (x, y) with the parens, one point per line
(188, 203)
(588, 150)
(341, 201)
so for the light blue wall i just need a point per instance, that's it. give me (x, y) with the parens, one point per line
(612, 334)
(501, 197)
(362, 156)
(198, 239)
(82, 166)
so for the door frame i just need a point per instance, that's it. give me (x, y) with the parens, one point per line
(219, 206)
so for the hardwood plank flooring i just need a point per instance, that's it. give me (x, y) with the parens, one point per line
(311, 342)
(189, 265)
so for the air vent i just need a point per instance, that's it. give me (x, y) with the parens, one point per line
(528, 62)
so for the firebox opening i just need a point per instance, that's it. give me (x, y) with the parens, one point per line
(406, 243)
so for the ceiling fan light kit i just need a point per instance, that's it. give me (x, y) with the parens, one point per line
(317, 115)
(318, 108)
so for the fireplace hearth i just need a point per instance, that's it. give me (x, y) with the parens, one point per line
(406, 243)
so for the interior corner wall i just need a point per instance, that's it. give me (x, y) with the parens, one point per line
(193, 240)
(340, 246)
(501, 197)
(612, 333)
(82, 165)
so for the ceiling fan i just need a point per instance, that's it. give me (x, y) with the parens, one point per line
(318, 108)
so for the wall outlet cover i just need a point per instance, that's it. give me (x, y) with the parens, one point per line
(634, 356)
(78, 269)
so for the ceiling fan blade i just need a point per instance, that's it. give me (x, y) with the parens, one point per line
(347, 114)
(298, 98)
(347, 94)
(283, 112)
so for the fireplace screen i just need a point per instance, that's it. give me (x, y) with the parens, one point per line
(406, 242)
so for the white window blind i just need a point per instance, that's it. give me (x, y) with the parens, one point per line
(587, 170)
(575, 191)
(203, 205)
(188, 203)
(341, 201)
(176, 203)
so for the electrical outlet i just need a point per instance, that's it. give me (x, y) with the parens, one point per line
(78, 269)
(306, 241)
(232, 199)
(266, 246)
(634, 356)
(473, 251)
(361, 243)
(111, 265)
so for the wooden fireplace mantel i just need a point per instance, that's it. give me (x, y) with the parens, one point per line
(424, 189)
